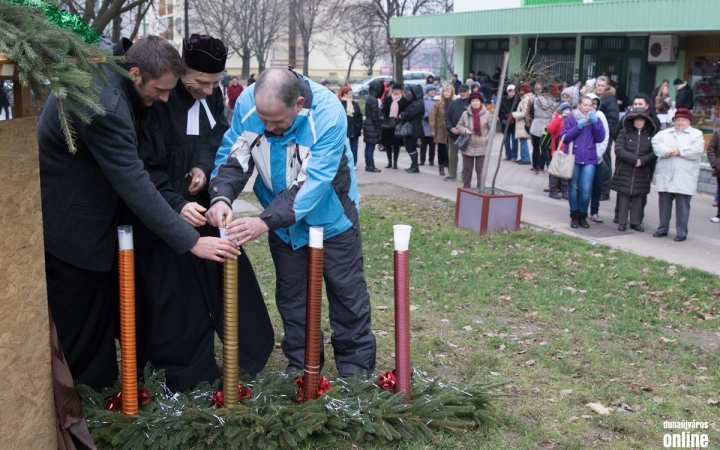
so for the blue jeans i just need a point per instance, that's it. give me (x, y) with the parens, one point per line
(596, 189)
(369, 149)
(353, 148)
(524, 152)
(580, 188)
(511, 146)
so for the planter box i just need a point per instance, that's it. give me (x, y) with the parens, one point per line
(488, 213)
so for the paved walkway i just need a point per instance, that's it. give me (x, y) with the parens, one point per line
(540, 211)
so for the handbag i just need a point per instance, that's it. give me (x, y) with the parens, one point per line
(462, 140)
(404, 130)
(389, 123)
(562, 164)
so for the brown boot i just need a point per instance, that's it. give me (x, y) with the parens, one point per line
(441, 169)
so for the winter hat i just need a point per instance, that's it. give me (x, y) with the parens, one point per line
(683, 113)
(592, 96)
(204, 53)
(569, 92)
(511, 87)
(430, 87)
(525, 88)
(325, 82)
(464, 87)
(563, 106)
(677, 81)
(477, 95)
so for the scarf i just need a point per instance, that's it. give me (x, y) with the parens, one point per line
(395, 106)
(578, 115)
(477, 127)
(446, 103)
(349, 109)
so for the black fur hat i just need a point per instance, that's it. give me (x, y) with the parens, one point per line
(204, 53)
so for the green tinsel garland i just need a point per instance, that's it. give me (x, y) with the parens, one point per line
(63, 19)
(352, 411)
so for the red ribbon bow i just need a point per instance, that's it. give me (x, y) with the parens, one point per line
(115, 400)
(323, 387)
(218, 399)
(386, 380)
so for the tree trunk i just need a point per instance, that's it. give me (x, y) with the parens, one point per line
(116, 28)
(306, 57)
(246, 57)
(352, 59)
(398, 60)
(261, 64)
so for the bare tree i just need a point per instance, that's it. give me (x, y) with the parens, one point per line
(401, 48)
(101, 13)
(372, 46)
(269, 18)
(229, 21)
(308, 15)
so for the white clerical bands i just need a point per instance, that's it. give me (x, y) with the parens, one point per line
(193, 122)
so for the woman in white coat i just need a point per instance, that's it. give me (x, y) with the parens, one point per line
(521, 117)
(678, 150)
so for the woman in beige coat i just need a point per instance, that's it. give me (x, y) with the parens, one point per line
(521, 125)
(438, 129)
(475, 123)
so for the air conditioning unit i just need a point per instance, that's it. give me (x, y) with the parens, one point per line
(662, 48)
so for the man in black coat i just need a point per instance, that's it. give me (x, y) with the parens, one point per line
(684, 96)
(609, 107)
(180, 297)
(81, 194)
(452, 117)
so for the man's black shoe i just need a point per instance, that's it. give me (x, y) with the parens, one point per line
(680, 238)
(638, 228)
(658, 234)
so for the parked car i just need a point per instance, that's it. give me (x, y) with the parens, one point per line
(360, 89)
(410, 77)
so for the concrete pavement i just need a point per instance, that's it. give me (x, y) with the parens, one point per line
(540, 211)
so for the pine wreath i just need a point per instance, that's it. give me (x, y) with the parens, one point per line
(353, 410)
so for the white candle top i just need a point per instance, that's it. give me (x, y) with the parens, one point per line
(125, 237)
(316, 237)
(401, 237)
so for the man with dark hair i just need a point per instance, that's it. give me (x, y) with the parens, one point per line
(294, 132)
(456, 83)
(609, 107)
(179, 297)
(81, 195)
(684, 95)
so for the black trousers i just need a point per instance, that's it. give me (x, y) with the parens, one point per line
(427, 142)
(83, 307)
(607, 169)
(642, 210)
(632, 204)
(682, 212)
(349, 301)
(538, 155)
(442, 154)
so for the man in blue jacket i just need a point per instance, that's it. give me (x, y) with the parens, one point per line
(293, 131)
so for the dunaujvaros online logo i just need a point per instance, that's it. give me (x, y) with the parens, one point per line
(685, 434)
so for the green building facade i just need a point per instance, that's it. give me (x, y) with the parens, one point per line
(638, 43)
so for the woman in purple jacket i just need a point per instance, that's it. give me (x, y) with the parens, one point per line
(583, 129)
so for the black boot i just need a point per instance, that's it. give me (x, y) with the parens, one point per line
(574, 223)
(582, 220)
(389, 152)
(414, 165)
(396, 155)
(370, 167)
